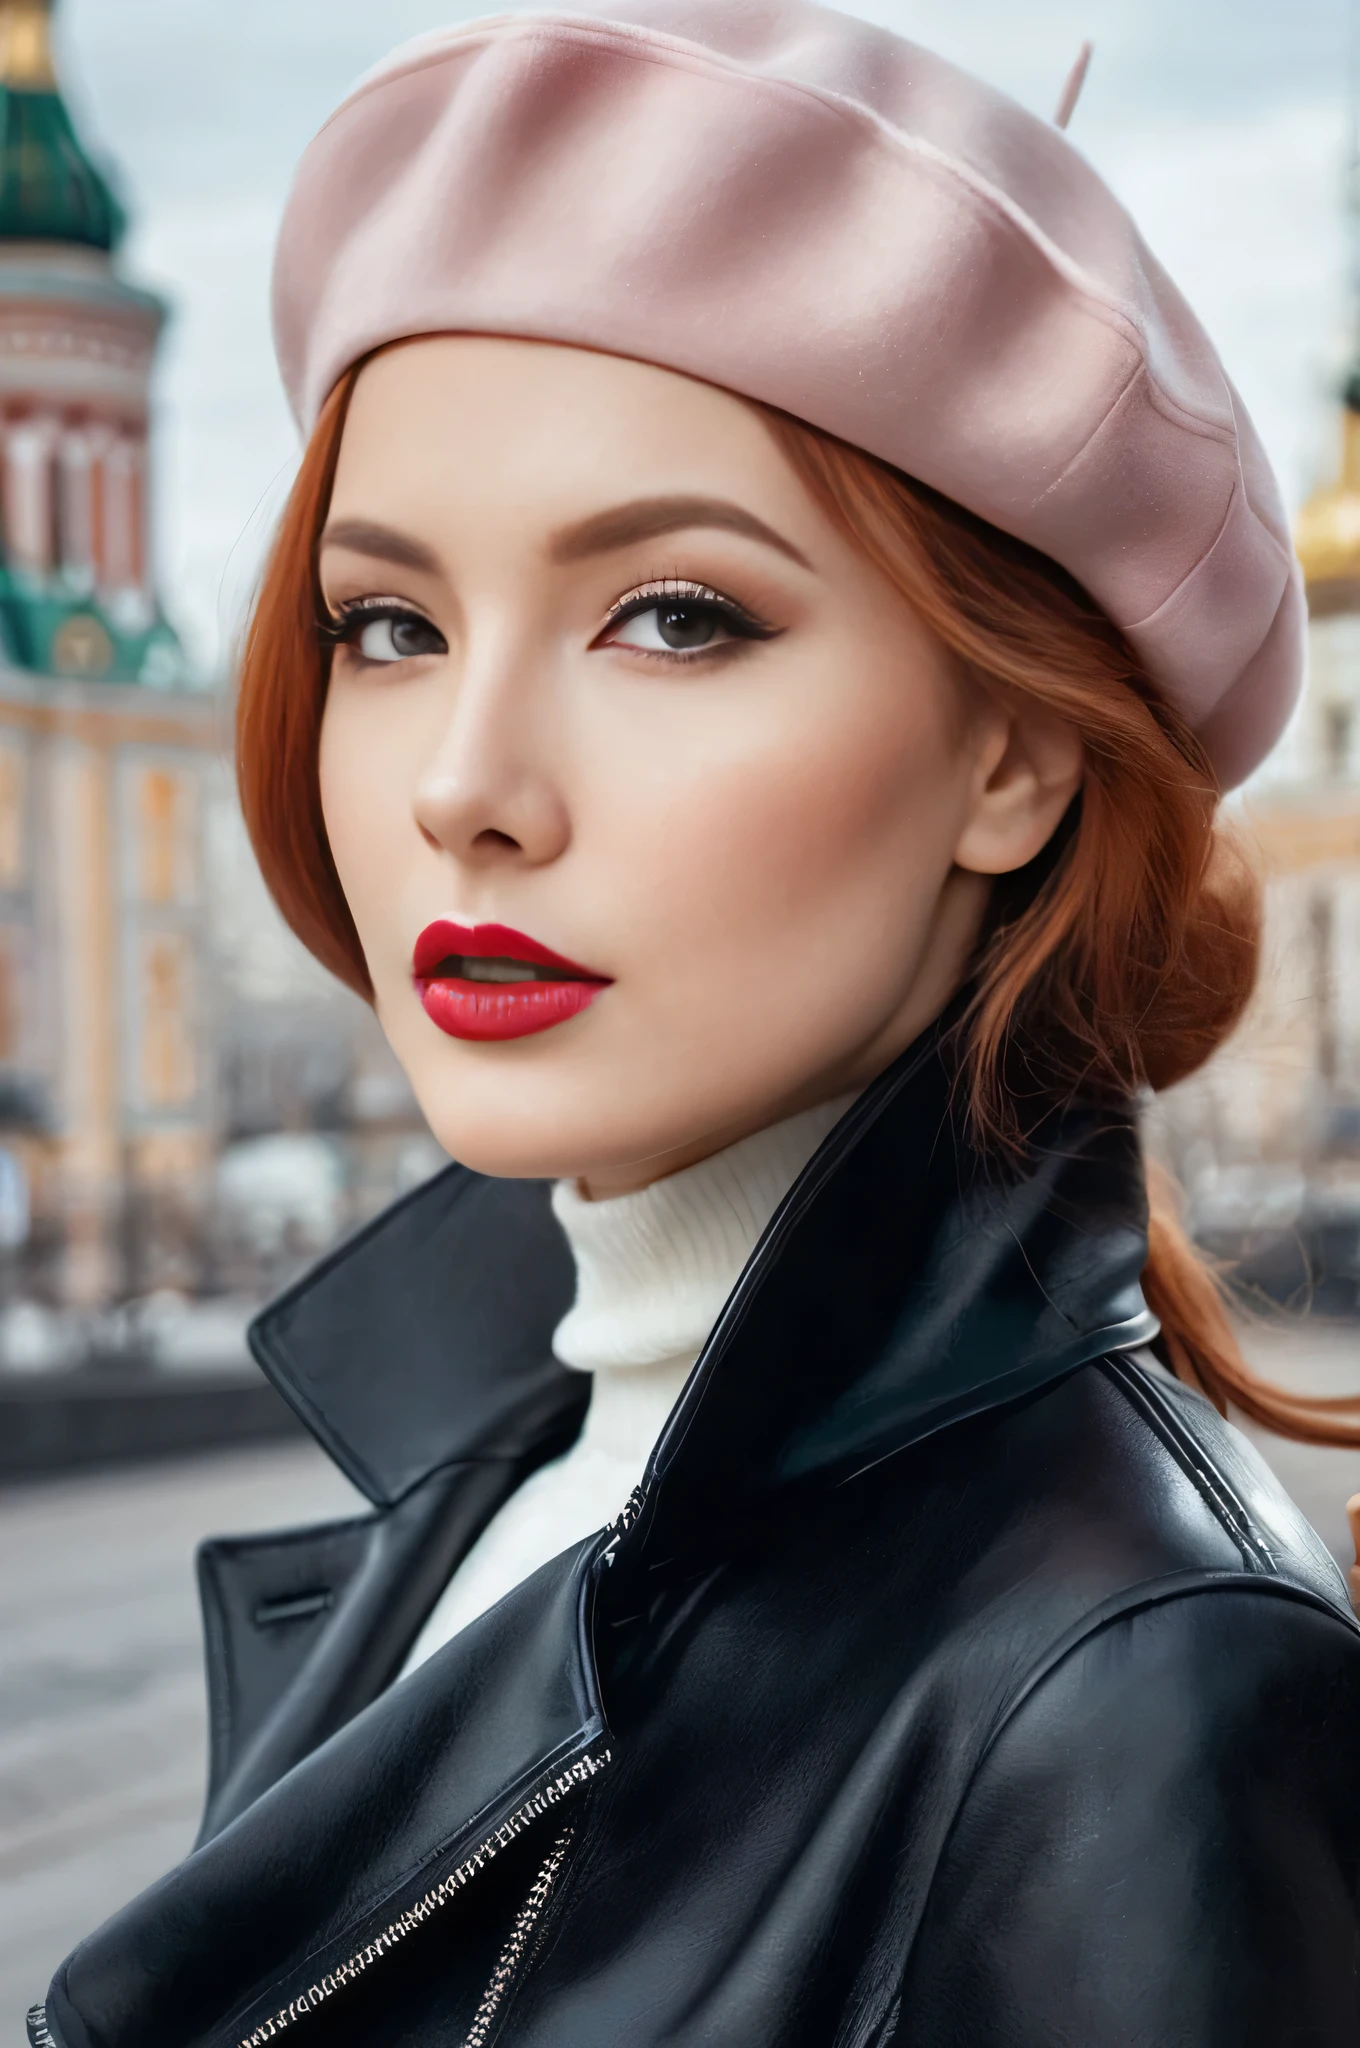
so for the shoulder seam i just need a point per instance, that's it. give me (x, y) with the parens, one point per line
(1136, 1600)
(1211, 1485)
(1121, 1607)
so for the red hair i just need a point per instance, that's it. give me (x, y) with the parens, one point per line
(1118, 961)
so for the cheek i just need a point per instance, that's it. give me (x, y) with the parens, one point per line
(364, 774)
(822, 844)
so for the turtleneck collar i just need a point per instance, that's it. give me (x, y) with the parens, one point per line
(654, 1268)
(903, 1283)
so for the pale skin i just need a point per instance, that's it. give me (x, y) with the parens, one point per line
(777, 841)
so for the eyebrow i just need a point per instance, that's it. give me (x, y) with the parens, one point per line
(649, 518)
(644, 519)
(381, 544)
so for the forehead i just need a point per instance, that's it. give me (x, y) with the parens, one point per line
(540, 429)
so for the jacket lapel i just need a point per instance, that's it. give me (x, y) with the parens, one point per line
(370, 1583)
(426, 1340)
(361, 1842)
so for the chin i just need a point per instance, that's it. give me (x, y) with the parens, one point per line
(532, 1125)
(514, 1125)
(578, 1102)
(511, 1148)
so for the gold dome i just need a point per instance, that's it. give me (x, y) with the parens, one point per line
(1327, 532)
(25, 51)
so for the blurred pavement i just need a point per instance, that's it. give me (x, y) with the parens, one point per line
(102, 1733)
(101, 1689)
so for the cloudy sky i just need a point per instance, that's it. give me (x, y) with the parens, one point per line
(1221, 123)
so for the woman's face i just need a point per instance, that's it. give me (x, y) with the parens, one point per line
(659, 814)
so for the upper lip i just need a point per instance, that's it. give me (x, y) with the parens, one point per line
(444, 938)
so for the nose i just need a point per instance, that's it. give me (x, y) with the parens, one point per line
(488, 794)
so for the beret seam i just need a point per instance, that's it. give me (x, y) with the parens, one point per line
(1283, 554)
(645, 45)
(1139, 370)
(1149, 618)
(1239, 489)
(1259, 515)
(1193, 422)
(1224, 697)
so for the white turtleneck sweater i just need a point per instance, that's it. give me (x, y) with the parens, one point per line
(653, 1270)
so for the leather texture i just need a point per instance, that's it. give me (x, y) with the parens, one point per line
(955, 1678)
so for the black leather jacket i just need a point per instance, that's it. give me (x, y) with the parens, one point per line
(954, 1679)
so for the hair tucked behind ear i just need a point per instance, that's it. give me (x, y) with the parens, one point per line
(1118, 961)
(1126, 954)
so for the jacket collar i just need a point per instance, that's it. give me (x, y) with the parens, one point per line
(426, 1340)
(898, 1288)
(901, 1285)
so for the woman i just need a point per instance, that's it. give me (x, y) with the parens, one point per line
(775, 586)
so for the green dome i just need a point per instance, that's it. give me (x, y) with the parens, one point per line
(49, 189)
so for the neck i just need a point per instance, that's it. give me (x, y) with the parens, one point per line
(654, 1266)
(615, 1183)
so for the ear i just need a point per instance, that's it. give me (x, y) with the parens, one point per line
(1029, 766)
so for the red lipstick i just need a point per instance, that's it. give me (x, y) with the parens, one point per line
(487, 981)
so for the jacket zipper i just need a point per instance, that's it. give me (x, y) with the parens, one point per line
(513, 1954)
(621, 1524)
(543, 1801)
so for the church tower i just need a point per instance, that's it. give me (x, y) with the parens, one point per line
(77, 344)
(108, 753)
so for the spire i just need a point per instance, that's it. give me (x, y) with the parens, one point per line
(26, 47)
(49, 189)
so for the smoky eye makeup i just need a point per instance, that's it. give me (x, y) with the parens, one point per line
(678, 620)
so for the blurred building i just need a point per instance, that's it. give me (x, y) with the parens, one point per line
(1267, 1139)
(152, 1013)
(103, 741)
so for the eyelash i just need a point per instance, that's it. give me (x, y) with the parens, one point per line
(741, 623)
(340, 628)
(336, 627)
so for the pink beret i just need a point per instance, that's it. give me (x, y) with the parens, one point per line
(809, 211)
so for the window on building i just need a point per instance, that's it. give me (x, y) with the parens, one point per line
(1338, 722)
(11, 1010)
(165, 847)
(169, 1069)
(1322, 921)
(13, 817)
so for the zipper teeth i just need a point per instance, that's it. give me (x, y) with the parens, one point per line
(40, 2034)
(512, 1955)
(630, 1510)
(541, 1802)
(622, 1523)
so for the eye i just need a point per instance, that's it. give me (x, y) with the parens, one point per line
(397, 638)
(385, 632)
(679, 619)
(678, 624)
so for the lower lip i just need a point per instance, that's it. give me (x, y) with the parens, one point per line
(506, 1009)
